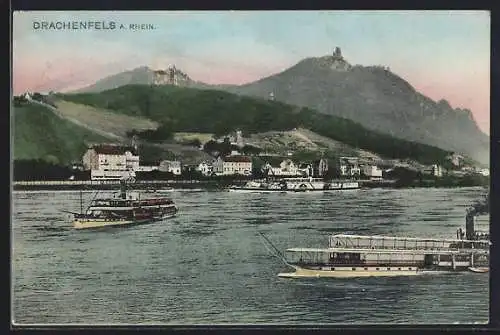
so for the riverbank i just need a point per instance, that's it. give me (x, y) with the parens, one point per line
(215, 184)
(114, 184)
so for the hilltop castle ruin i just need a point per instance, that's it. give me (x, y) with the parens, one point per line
(170, 76)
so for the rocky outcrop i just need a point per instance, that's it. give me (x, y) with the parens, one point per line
(141, 76)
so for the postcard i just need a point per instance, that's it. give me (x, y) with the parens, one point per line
(250, 167)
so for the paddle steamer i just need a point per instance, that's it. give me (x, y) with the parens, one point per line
(126, 208)
(285, 185)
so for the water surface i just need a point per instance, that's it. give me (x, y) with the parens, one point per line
(209, 264)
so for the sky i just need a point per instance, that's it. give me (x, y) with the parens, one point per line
(443, 54)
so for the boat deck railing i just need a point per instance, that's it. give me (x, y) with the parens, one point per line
(449, 251)
(403, 243)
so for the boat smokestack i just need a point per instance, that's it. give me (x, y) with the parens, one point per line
(469, 225)
(123, 189)
(478, 208)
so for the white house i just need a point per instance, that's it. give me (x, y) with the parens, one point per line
(237, 138)
(171, 166)
(484, 172)
(233, 165)
(285, 168)
(111, 162)
(372, 171)
(349, 167)
(434, 170)
(320, 167)
(205, 168)
(349, 171)
(456, 159)
(235, 153)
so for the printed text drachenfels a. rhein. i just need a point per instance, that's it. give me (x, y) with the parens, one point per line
(75, 25)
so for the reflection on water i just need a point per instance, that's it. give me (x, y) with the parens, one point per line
(208, 265)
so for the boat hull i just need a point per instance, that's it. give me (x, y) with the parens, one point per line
(264, 190)
(100, 223)
(347, 273)
(255, 190)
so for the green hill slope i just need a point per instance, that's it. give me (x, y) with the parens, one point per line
(211, 111)
(39, 134)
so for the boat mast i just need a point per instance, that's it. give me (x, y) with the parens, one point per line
(81, 202)
(480, 207)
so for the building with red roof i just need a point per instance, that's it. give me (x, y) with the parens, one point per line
(111, 162)
(232, 165)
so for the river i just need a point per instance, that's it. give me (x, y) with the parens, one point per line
(209, 265)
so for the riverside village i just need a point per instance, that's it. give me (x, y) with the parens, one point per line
(230, 158)
(233, 159)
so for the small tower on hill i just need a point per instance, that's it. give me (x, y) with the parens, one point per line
(337, 52)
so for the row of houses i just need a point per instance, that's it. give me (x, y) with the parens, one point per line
(107, 162)
(286, 167)
(273, 166)
(116, 162)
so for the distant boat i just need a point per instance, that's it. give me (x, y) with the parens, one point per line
(479, 270)
(289, 185)
(165, 190)
(260, 187)
(159, 190)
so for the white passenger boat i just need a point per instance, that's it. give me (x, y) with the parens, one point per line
(127, 208)
(365, 256)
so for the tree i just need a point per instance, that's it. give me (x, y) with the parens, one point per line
(221, 129)
(191, 174)
(51, 159)
(132, 133)
(195, 142)
(37, 96)
(225, 147)
(211, 146)
(165, 131)
(250, 150)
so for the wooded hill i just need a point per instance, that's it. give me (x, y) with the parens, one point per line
(182, 109)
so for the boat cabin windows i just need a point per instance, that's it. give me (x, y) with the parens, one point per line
(430, 259)
(346, 258)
